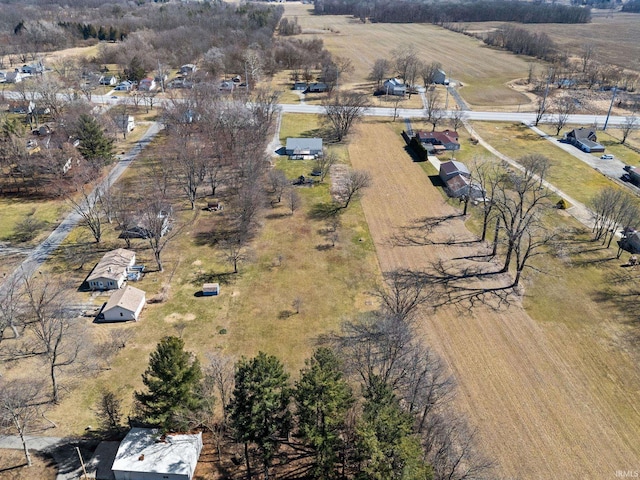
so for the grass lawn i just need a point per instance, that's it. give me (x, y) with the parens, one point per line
(301, 125)
(567, 172)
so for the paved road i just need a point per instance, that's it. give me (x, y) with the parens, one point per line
(40, 254)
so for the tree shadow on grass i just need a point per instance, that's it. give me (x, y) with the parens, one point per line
(225, 278)
(324, 210)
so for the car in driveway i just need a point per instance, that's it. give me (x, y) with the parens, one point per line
(606, 156)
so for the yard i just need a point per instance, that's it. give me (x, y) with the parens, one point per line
(291, 259)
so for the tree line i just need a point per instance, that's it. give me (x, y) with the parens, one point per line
(373, 401)
(88, 30)
(439, 13)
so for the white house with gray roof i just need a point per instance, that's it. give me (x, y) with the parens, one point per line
(111, 271)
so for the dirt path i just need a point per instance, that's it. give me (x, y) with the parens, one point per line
(547, 402)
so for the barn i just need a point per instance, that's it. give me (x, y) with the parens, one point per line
(148, 454)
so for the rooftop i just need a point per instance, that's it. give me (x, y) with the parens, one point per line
(147, 450)
(128, 298)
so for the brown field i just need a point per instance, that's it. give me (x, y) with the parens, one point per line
(614, 36)
(484, 71)
(13, 466)
(553, 395)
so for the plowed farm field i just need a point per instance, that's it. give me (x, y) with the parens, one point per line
(550, 399)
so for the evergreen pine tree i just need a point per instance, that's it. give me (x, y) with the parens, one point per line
(323, 398)
(95, 145)
(259, 408)
(386, 445)
(172, 381)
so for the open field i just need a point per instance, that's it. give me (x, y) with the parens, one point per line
(614, 36)
(483, 71)
(554, 384)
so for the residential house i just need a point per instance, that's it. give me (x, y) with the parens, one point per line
(3, 77)
(124, 86)
(585, 139)
(436, 142)
(452, 169)
(303, 148)
(125, 123)
(33, 69)
(111, 271)
(180, 83)
(457, 186)
(21, 107)
(149, 454)
(123, 305)
(227, 86)
(440, 77)
(301, 86)
(147, 84)
(188, 69)
(317, 87)
(109, 80)
(394, 86)
(139, 227)
(14, 77)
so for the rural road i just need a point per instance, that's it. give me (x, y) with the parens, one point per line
(40, 253)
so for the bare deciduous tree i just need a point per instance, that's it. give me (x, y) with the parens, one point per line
(11, 306)
(19, 408)
(379, 71)
(89, 208)
(630, 123)
(457, 118)
(564, 107)
(428, 72)
(58, 337)
(278, 182)
(293, 200)
(324, 162)
(353, 186)
(343, 110)
(432, 110)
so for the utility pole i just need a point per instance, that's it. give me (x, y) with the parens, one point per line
(613, 97)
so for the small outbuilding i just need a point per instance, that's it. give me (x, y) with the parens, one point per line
(124, 305)
(210, 289)
(148, 454)
(111, 271)
(303, 148)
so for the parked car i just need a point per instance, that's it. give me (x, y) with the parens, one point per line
(606, 156)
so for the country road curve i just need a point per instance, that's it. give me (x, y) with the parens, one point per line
(42, 252)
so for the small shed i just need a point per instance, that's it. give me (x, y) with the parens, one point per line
(125, 304)
(210, 289)
(148, 454)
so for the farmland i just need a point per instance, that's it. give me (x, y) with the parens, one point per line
(484, 81)
(532, 378)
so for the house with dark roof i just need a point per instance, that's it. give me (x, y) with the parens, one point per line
(585, 139)
(317, 87)
(394, 86)
(303, 148)
(435, 142)
(452, 169)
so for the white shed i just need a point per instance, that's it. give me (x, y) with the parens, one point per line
(147, 454)
(125, 304)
